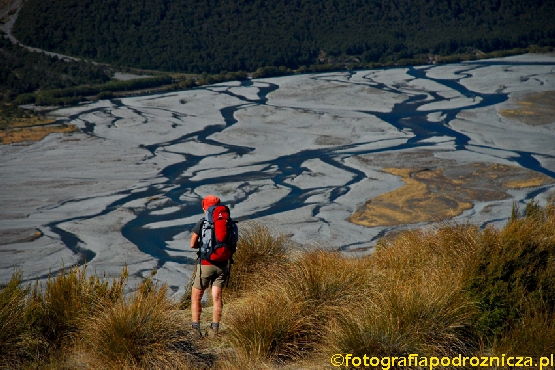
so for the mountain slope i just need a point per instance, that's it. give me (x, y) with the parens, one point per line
(215, 35)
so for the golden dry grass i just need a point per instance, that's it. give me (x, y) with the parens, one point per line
(416, 304)
(15, 122)
(421, 291)
(259, 250)
(138, 332)
(531, 182)
(412, 203)
(411, 296)
(283, 320)
(17, 135)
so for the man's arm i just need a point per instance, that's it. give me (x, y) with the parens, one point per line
(194, 240)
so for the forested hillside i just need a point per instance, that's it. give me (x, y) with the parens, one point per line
(22, 71)
(215, 35)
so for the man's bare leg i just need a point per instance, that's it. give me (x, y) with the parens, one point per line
(196, 308)
(216, 311)
(217, 301)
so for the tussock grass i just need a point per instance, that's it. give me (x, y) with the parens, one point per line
(13, 337)
(416, 303)
(402, 320)
(137, 332)
(55, 310)
(38, 320)
(259, 251)
(284, 317)
(419, 252)
(447, 291)
(76, 320)
(267, 325)
(420, 292)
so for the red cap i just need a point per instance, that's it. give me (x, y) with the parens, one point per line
(209, 201)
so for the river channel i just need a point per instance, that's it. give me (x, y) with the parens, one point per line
(284, 150)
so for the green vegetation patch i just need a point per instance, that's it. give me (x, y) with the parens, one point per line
(23, 71)
(515, 271)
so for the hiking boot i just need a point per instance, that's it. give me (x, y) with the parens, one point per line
(213, 330)
(195, 332)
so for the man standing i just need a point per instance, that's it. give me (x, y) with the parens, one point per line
(212, 268)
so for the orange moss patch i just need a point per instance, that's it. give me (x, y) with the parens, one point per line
(534, 109)
(35, 133)
(439, 194)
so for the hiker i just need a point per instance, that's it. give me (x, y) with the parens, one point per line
(215, 235)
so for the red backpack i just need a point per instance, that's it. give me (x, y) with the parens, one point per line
(219, 235)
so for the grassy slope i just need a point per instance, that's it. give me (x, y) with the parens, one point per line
(446, 291)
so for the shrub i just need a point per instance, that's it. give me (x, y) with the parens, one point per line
(325, 67)
(187, 84)
(29, 98)
(271, 71)
(105, 95)
(236, 76)
(533, 334)
(46, 100)
(515, 270)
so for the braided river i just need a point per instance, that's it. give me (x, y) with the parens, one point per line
(300, 154)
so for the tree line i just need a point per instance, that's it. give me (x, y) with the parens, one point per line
(72, 95)
(36, 78)
(22, 71)
(198, 36)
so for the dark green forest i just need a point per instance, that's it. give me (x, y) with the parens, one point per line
(36, 78)
(22, 71)
(216, 35)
